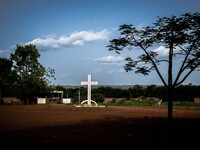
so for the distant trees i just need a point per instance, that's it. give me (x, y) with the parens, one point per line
(179, 36)
(182, 93)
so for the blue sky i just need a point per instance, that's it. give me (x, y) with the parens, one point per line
(71, 35)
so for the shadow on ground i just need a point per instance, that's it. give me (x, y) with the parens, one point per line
(110, 133)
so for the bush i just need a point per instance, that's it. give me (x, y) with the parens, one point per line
(150, 102)
(99, 98)
(135, 103)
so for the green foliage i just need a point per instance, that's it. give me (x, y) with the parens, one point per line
(134, 103)
(32, 76)
(8, 77)
(99, 98)
(49, 107)
(26, 62)
(183, 92)
(150, 102)
(187, 104)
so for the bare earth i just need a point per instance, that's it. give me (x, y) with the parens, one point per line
(59, 127)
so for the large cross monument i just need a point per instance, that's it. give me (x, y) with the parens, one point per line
(89, 83)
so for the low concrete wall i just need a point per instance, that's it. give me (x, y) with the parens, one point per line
(10, 100)
(197, 100)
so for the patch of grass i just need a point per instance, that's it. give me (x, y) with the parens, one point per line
(134, 103)
(49, 107)
(153, 103)
(183, 104)
(148, 102)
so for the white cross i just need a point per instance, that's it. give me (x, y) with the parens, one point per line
(89, 83)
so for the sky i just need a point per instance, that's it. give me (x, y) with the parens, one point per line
(72, 35)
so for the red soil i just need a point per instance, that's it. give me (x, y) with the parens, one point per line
(66, 127)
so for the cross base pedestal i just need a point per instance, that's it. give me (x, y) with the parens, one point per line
(85, 104)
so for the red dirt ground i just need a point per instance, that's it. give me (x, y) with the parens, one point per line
(59, 127)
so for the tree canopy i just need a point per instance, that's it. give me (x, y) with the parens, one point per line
(32, 76)
(179, 36)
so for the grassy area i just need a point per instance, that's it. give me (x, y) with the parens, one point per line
(183, 104)
(150, 103)
(153, 103)
(134, 103)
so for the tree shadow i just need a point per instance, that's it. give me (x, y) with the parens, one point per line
(109, 133)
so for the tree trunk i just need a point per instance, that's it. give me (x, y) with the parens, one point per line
(170, 86)
(170, 106)
(0, 98)
(27, 101)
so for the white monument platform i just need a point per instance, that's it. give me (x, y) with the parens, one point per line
(89, 102)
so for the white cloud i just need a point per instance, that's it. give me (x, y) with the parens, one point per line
(109, 59)
(140, 26)
(74, 39)
(161, 51)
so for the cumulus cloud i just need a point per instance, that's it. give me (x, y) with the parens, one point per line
(110, 59)
(161, 51)
(74, 39)
(140, 26)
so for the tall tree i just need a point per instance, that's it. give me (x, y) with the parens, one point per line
(7, 77)
(179, 36)
(32, 75)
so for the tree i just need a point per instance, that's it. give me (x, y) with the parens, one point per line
(7, 77)
(179, 36)
(33, 77)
